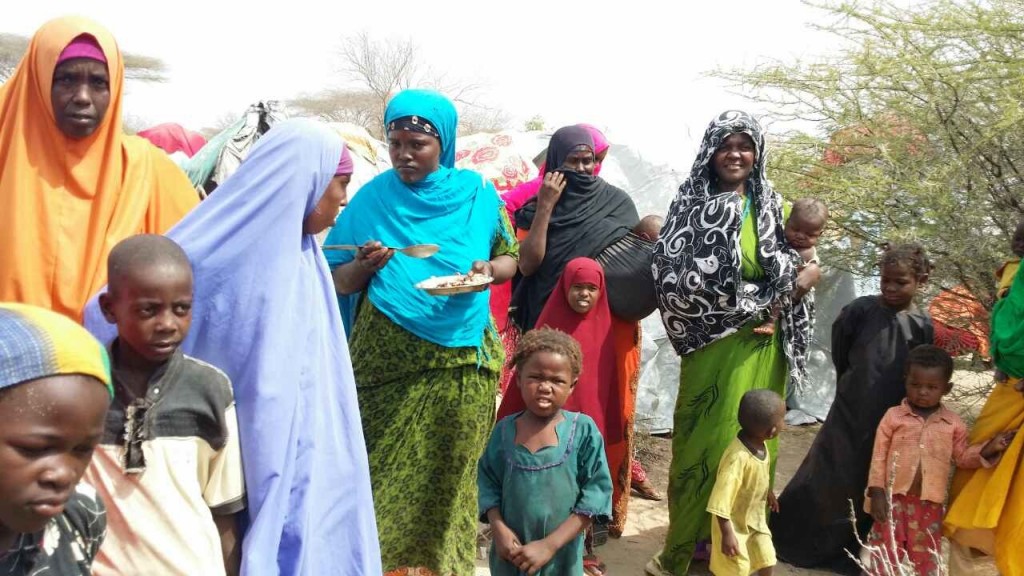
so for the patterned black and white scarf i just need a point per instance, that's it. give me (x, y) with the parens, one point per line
(697, 259)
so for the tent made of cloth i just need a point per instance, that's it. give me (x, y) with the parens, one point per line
(222, 154)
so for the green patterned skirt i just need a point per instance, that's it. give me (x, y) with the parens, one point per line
(424, 437)
(711, 383)
(427, 413)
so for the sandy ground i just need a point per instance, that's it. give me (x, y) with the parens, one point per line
(648, 521)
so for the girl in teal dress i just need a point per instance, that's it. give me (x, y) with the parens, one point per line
(543, 479)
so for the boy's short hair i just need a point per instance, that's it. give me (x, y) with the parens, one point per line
(758, 408)
(809, 208)
(929, 356)
(549, 340)
(142, 251)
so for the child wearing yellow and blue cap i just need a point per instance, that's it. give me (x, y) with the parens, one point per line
(54, 392)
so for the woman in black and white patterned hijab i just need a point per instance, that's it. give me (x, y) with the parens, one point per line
(720, 263)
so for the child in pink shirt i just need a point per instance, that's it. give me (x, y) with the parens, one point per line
(916, 444)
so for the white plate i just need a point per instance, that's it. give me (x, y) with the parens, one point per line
(455, 284)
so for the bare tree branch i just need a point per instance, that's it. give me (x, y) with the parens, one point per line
(380, 68)
(136, 66)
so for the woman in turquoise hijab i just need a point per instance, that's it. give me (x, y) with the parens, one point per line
(426, 367)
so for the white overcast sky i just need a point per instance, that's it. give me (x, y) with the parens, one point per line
(633, 67)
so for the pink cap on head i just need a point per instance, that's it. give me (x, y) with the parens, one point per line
(345, 166)
(83, 46)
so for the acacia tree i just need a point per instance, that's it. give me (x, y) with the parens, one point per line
(916, 131)
(377, 69)
(136, 66)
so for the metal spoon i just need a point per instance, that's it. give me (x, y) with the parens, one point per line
(414, 251)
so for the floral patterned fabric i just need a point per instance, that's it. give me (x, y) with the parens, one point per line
(68, 544)
(913, 533)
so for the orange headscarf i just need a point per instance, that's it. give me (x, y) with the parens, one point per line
(64, 203)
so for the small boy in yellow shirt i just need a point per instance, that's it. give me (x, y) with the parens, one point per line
(740, 540)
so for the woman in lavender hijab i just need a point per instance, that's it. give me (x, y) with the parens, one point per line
(265, 312)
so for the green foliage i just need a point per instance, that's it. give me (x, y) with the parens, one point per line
(915, 131)
(535, 124)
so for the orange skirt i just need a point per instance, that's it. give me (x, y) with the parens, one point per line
(620, 454)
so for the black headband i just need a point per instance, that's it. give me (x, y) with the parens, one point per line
(414, 124)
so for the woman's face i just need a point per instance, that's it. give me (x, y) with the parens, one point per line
(734, 160)
(413, 155)
(581, 159)
(80, 96)
(326, 210)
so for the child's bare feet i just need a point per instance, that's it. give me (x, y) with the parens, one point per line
(766, 329)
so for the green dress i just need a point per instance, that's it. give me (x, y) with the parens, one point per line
(711, 382)
(537, 492)
(426, 412)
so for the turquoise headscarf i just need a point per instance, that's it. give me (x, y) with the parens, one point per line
(455, 209)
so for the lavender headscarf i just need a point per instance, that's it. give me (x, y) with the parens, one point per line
(266, 314)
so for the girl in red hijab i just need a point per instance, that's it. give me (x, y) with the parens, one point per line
(578, 306)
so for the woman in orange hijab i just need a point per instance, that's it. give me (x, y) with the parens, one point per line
(72, 184)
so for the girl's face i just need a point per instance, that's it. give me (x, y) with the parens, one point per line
(414, 155)
(899, 285)
(583, 297)
(545, 380)
(327, 209)
(48, 430)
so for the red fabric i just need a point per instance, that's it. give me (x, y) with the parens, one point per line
(961, 322)
(173, 138)
(597, 392)
(501, 297)
(955, 341)
(914, 532)
(638, 472)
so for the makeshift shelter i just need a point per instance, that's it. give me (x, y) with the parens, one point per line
(222, 154)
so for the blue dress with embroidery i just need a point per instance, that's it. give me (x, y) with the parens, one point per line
(537, 492)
